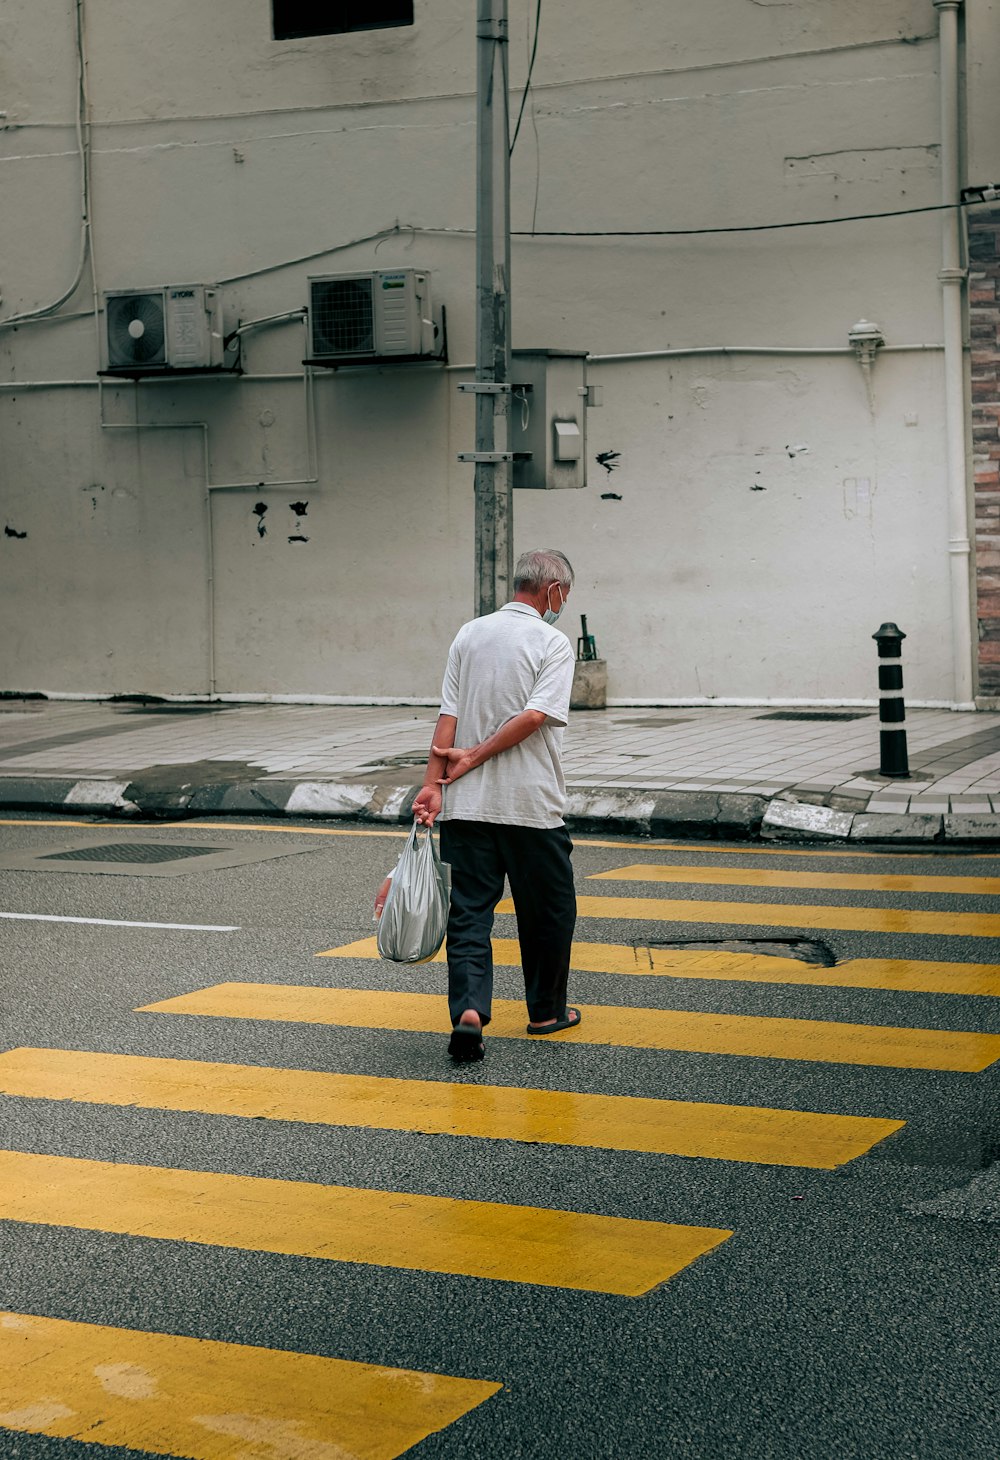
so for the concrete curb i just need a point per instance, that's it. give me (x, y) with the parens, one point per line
(693, 814)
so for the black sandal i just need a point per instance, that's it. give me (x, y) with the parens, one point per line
(564, 1023)
(466, 1044)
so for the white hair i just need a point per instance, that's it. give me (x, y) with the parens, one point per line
(541, 566)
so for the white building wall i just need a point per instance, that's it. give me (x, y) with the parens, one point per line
(766, 516)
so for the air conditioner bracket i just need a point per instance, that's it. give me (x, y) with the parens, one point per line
(491, 387)
(167, 372)
(494, 456)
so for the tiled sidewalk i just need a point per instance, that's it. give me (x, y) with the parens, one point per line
(824, 757)
(954, 759)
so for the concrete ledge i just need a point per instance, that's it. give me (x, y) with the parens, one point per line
(394, 804)
(707, 814)
(596, 809)
(696, 814)
(237, 797)
(972, 828)
(686, 808)
(33, 793)
(109, 796)
(741, 812)
(882, 827)
(328, 798)
(791, 820)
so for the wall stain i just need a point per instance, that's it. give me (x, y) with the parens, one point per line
(259, 509)
(12, 532)
(300, 509)
(610, 460)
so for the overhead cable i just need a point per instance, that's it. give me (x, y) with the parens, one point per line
(527, 83)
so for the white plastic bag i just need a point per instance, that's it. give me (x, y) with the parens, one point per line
(415, 916)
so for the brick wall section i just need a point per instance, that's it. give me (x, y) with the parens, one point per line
(984, 331)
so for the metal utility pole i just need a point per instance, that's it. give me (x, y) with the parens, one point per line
(494, 470)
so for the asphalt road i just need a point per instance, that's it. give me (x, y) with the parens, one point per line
(852, 1313)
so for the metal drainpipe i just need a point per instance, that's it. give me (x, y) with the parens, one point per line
(952, 276)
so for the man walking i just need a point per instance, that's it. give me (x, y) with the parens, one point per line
(495, 778)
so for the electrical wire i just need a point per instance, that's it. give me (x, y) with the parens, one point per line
(736, 228)
(321, 253)
(538, 163)
(83, 149)
(527, 83)
(413, 228)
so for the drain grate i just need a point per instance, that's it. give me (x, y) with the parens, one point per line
(815, 715)
(131, 852)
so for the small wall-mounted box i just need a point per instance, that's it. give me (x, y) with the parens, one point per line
(550, 418)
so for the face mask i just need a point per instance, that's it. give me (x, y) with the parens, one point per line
(551, 614)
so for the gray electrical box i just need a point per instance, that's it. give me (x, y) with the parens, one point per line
(550, 418)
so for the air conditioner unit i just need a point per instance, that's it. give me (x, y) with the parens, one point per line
(175, 327)
(378, 315)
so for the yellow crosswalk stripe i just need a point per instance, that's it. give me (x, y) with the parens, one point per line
(785, 915)
(901, 975)
(554, 1249)
(823, 881)
(171, 1395)
(435, 1107)
(736, 1034)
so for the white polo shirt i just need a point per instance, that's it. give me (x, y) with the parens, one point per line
(499, 665)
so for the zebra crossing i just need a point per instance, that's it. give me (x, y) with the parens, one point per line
(179, 1395)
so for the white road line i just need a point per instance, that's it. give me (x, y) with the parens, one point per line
(115, 923)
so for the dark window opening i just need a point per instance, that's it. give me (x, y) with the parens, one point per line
(295, 18)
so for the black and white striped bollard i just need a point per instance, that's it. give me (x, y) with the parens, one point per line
(891, 709)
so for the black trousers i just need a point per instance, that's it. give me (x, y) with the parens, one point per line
(537, 865)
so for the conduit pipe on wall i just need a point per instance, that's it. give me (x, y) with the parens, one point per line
(952, 276)
(594, 359)
(685, 350)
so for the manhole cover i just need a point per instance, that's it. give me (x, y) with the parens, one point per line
(142, 858)
(814, 715)
(131, 852)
